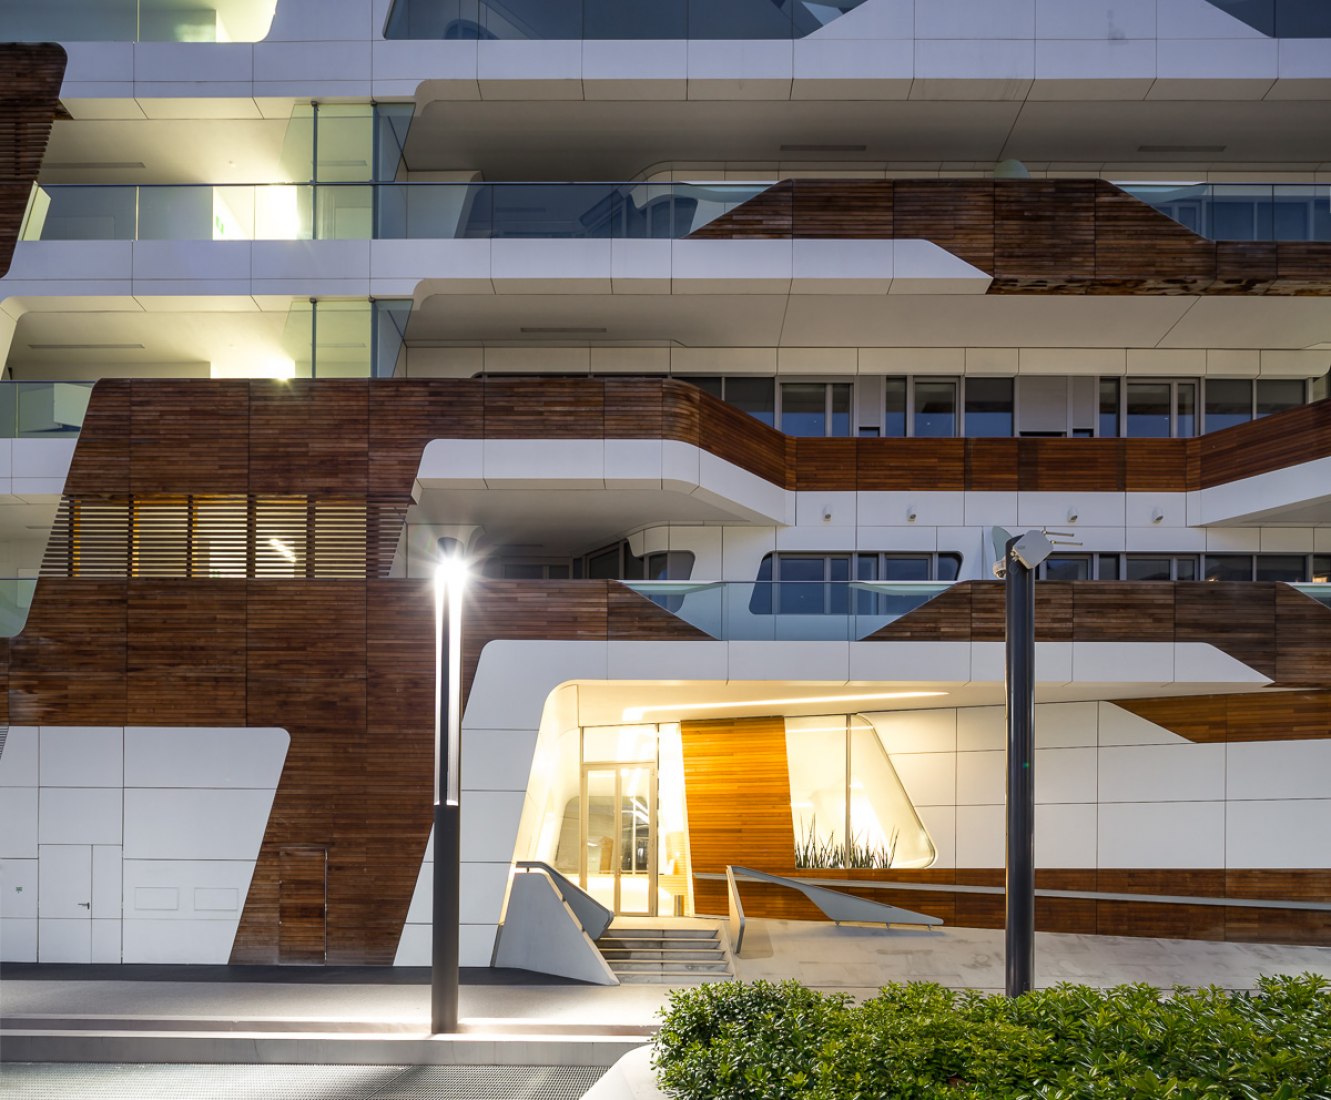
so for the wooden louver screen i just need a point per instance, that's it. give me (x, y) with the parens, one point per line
(223, 535)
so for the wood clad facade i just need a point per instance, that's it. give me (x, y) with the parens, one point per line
(360, 439)
(29, 104)
(1033, 236)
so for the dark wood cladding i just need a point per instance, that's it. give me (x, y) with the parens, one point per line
(1072, 236)
(1272, 628)
(345, 666)
(1260, 716)
(353, 438)
(29, 105)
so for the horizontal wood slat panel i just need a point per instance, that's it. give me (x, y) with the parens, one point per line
(29, 104)
(314, 445)
(1065, 236)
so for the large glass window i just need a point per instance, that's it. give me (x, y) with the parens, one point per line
(1149, 412)
(1228, 567)
(848, 806)
(1282, 567)
(1109, 407)
(815, 409)
(1228, 402)
(1278, 394)
(935, 409)
(989, 407)
(894, 419)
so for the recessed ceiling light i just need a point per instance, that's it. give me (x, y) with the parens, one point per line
(1181, 148)
(824, 148)
(85, 347)
(69, 165)
(636, 714)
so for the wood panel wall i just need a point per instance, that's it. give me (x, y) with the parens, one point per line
(736, 778)
(346, 667)
(1033, 236)
(29, 105)
(349, 438)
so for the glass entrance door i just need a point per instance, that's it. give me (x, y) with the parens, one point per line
(619, 859)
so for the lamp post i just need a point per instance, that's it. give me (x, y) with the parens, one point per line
(450, 582)
(1021, 556)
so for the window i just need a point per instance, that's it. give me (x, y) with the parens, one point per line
(894, 421)
(1109, 407)
(1158, 409)
(1278, 394)
(755, 396)
(815, 409)
(821, 584)
(935, 409)
(1113, 567)
(1067, 567)
(617, 562)
(1291, 568)
(1231, 401)
(1321, 570)
(989, 409)
(1228, 402)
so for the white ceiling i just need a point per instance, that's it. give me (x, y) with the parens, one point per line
(606, 702)
(618, 140)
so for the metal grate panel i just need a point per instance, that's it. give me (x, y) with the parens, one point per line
(58, 1081)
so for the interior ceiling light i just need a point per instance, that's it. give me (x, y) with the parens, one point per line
(85, 347)
(824, 148)
(558, 330)
(636, 714)
(283, 549)
(72, 165)
(1181, 148)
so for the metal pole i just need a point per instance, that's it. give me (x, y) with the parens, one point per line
(1020, 674)
(447, 815)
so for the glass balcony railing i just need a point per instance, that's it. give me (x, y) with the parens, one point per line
(549, 20)
(15, 602)
(1243, 211)
(778, 611)
(42, 410)
(1321, 592)
(135, 20)
(385, 211)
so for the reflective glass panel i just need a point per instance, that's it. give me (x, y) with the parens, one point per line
(935, 409)
(1228, 402)
(840, 402)
(1148, 410)
(1228, 567)
(894, 423)
(756, 396)
(804, 408)
(1148, 569)
(1109, 407)
(1277, 394)
(988, 407)
(1067, 568)
(1186, 398)
(1281, 567)
(1186, 569)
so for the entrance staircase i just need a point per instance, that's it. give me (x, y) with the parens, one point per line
(675, 954)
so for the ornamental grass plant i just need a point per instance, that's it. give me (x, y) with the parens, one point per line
(763, 1041)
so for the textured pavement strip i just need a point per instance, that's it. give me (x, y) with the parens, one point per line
(48, 1081)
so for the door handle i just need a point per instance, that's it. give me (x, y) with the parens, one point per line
(85, 905)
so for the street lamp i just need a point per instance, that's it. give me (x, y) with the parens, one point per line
(450, 582)
(1020, 558)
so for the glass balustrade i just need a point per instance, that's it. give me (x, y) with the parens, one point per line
(1321, 592)
(548, 20)
(15, 602)
(1243, 211)
(42, 410)
(135, 20)
(777, 611)
(387, 211)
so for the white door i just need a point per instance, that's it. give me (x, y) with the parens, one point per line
(64, 903)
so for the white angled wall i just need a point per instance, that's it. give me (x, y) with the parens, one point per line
(131, 844)
(1113, 790)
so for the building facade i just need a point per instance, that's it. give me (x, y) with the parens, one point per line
(728, 340)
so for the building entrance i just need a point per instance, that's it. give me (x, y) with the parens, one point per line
(619, 850)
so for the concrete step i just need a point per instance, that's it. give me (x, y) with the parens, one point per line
(619, 954)
(680, 966)
(670, 977)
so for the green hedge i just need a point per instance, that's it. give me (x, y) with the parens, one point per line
(732, 1041)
